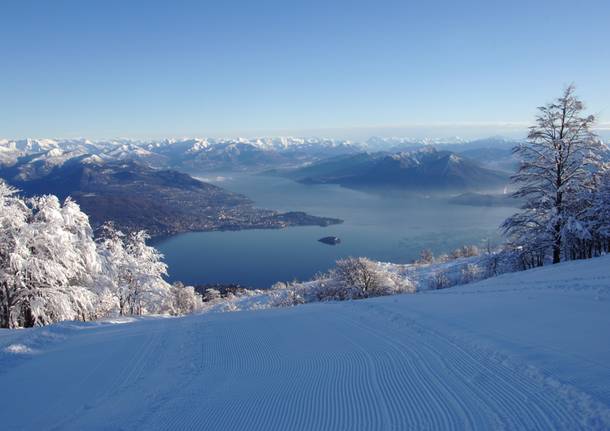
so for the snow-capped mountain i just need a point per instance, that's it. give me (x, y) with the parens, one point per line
(186, 154)
(248, 153)
(34, 157)
(405, 143)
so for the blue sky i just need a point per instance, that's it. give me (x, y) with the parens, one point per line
(176, 68)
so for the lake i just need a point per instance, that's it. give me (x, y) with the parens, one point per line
(392, 228)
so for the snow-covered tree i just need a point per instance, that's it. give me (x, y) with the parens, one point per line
(59, 261)
(184, 299)
(465, 251)
(133, 273)
(211, 295)
(286, 297)
(50, 262)
(439, 280)
(51, 268)
(353, 278)
(116, 263)
(470, 273)
(426, 256)
(357, 275)
(602, 205)
(470, 251)
(13, 217)
(597, 212)
(556, 165)
(149, 291)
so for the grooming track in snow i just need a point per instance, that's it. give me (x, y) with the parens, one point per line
(522, 351)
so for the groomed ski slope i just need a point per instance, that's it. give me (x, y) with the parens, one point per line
(528, 350)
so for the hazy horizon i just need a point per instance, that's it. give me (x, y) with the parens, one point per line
(356, 134)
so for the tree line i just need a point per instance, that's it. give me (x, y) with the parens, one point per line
(52, 268)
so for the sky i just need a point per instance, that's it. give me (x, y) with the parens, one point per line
(149, 69)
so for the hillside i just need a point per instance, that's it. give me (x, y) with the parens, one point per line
(424, 169)
(526, 350)
(136, 196)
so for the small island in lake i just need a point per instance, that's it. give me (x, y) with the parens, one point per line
(330, 240)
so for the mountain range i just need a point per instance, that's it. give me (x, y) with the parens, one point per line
(190, 155)
(146, 183)
(207, 154)
(422, 169)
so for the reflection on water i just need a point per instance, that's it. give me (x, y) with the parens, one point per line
(389, 228)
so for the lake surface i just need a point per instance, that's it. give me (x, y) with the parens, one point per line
(393, 228)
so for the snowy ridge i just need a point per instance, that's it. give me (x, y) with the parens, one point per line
(34, 146)
(237, 153)
(187, 152)
(377, 142)
(519, 351)
(262, 149)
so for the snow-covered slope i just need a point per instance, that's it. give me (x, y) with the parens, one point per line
(528, 350)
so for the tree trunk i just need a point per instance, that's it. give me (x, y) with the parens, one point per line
(559, 222)
(5, 309)
(557, 244)
(4, 314)
(28, 318)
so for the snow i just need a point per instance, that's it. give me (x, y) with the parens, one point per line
(57, 151)
(94, 160)
(17, 348)
(411, 277)
(527, 350)
(52, 268)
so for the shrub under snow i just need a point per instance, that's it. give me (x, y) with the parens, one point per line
(352, 278)
(356, 278)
